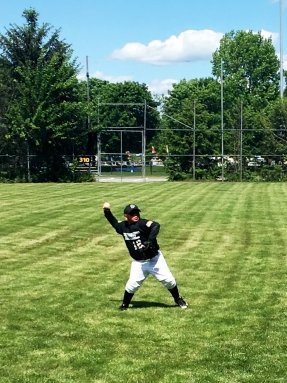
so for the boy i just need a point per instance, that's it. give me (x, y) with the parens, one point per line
(140, 236)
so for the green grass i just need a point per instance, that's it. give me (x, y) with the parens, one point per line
(63, 271)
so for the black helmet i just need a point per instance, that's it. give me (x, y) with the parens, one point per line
(129, 209)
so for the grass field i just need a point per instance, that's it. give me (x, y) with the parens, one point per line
(63, 271)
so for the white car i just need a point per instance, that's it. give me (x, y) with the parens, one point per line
(253, 164)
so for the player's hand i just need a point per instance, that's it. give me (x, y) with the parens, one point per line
(107, 206)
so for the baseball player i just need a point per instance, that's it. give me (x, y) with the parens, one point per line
(140, 236)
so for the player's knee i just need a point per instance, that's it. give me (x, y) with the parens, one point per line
(132, 287)
(169, 284)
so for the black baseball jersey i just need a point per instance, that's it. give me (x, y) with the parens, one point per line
(136, 234)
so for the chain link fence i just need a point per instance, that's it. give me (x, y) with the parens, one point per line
(32, 168)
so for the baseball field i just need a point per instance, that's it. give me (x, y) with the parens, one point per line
(63, 272)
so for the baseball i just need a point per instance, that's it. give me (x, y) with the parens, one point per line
(107, 205)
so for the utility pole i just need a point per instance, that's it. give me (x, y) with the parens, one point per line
(193, 154)
(88, 88)
(222, 130)
(241, 138)
(88, 101)
(144, 142)
(281, 50)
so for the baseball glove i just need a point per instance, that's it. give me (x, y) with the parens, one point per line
(148, 250)
(147, 245)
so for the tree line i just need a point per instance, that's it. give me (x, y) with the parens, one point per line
(47, 112)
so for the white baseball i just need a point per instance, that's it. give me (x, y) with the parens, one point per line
(107, 205)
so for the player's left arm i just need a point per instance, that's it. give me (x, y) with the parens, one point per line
(153, 232)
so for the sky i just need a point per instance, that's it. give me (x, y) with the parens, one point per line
(156, 42)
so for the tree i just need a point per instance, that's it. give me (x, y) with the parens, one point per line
(201, 97)
(4, 104)
(121, 105)
(249, 66)
(277, 125)
(42, 107)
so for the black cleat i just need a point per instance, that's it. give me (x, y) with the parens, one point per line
(123, 307)
(181, 303)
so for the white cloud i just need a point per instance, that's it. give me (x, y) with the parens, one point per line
(190, 45)
(161, 87)
(267, 34)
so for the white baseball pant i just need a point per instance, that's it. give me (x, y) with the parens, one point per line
(155, 266)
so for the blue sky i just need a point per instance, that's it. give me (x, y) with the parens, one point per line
(156, 42)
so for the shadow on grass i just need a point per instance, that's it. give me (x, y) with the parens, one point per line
(146, 304)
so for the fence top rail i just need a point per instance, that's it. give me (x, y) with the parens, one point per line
(123, 129)
(152, 155)
(122, 103)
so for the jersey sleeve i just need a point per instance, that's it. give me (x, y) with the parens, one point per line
(154, 230)
(113, 221)
(150, 230)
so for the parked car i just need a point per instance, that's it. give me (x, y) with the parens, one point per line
(253, 164)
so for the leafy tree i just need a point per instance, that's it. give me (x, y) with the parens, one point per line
(277, 125)
(188, 102)
(42, 109)
(250, 68)
(4, 104)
